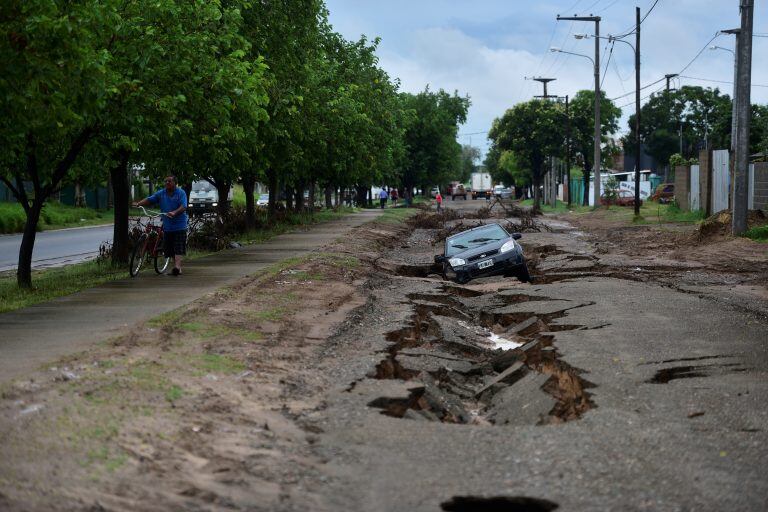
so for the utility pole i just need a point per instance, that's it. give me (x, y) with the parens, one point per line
(734, 113)
(744, 107)
(637, 111)
(567, 177)
(596, 165)
(669, 77)
(544, 82)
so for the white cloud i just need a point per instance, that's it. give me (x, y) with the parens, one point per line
(464, 47)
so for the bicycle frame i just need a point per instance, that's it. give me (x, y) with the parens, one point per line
(149, 245)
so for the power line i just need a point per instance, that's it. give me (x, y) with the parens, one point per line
(607, 62)
(698, 54)
(718, 81)
(631, 30)
(680, 72)
(643, 87)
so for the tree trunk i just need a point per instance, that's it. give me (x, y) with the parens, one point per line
(222, 187)
(299, 194)
(312, 186)
(536, 192)
(361, 196)
(273, 192)
(585, 200)
(118, 177)
(249, 184)
(24, 272)
(329, 196)
(288, 199)
(79, 195)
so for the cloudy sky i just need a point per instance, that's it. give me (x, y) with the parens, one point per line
(487, 48)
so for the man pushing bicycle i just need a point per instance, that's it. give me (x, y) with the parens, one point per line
(173, 203)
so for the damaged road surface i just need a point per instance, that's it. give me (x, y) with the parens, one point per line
(359, 379)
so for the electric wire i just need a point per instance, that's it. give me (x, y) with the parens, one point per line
(718, 81)
(607, 62)
(631, 29)
(717, 34)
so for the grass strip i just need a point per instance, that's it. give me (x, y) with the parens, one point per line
(54, 216)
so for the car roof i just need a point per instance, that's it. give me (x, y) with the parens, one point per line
(484, 226)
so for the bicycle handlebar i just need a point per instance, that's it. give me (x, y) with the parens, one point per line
(150, 213)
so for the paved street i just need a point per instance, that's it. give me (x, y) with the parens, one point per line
(55, 248)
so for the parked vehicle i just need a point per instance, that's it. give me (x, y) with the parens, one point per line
(263, 200)
(459, 191)
(434, 191)
(204, 198)
(623, 198)
(481, 184)
(502, 192)
(483, 251)
(664, 193)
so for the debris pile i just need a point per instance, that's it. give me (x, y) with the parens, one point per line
(719, 224)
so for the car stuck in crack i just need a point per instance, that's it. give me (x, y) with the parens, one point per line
(487, 250)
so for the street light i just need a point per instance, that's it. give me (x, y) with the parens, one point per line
(636, 50)
(558, 50)
(714, 47)
(596, 166)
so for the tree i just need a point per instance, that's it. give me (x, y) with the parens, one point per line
(55, 80)
(505, 168)
(432, 154)
(582, 111)
(469, 157)
(532, 131)
(687, 117)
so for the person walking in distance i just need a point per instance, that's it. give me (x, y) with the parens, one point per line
(394, 194)
(173, 203)
(439, 200)
(383, 195)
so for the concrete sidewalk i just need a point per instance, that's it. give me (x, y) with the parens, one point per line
(48, 331)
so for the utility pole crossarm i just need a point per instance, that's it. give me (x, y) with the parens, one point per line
(578, 18)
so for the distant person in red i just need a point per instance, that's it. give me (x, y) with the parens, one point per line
(393, 195)
(439, 201)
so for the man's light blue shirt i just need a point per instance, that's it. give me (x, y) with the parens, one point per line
(169, 203)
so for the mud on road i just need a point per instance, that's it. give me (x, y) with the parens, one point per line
(358, 379)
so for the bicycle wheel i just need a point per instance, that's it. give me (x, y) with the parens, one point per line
(161, 260)
(138, 255)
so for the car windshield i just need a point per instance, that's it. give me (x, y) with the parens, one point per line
(474, 238)
(201, 186)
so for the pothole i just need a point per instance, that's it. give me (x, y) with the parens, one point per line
(666, 375)
(467, 365)
(498, 504)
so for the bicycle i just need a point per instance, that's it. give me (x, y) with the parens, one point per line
(149, 245)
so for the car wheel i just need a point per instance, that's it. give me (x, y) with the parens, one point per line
(523, 275)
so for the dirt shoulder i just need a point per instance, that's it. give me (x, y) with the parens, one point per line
(697, 258)
(192, 409)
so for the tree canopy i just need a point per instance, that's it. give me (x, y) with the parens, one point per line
(225, 91)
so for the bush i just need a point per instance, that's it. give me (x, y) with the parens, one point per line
(758, 233)
(54, 214)
(12, 218)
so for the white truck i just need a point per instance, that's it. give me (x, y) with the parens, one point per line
(481, 184)
(204, 198)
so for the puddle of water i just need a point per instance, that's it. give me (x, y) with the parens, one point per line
(503, 343)
(495, 341)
